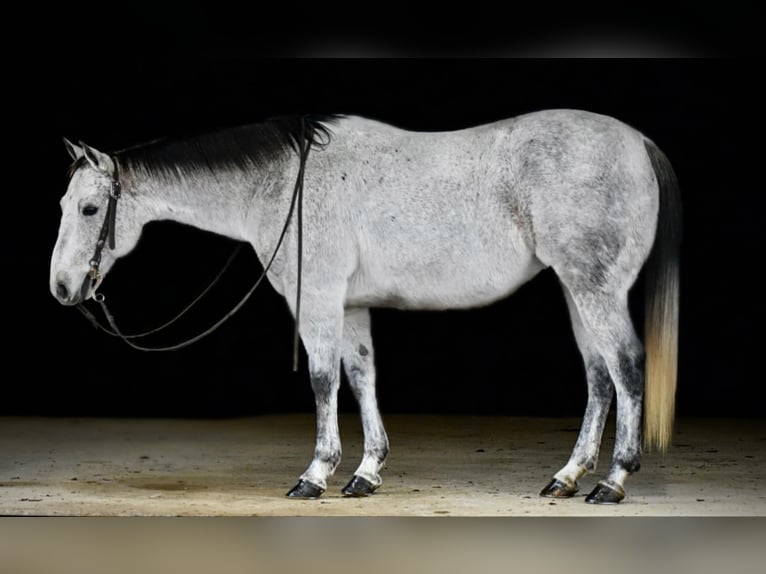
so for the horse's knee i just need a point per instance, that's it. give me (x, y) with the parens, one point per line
(321, 380)
(358, 378)
(324, 383)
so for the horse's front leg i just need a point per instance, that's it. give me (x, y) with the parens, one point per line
(321, 332)
(359, 364)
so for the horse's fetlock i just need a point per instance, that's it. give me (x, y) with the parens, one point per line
(631, 464)
(331, 458)
(590, 466)
(381, 454)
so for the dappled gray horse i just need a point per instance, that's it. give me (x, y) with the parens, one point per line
(410, 220)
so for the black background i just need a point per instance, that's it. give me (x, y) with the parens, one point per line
(515, 357)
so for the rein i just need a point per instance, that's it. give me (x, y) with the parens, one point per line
(107, 234)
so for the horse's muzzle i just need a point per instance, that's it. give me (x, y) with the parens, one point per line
(68, 298)
(62, 289)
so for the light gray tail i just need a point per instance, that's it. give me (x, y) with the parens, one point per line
(661, 324)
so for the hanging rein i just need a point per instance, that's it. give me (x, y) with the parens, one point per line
(107, 236)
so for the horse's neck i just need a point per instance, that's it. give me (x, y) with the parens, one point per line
(219, 202)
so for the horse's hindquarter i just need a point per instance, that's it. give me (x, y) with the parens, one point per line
(592, 195)
(433, 221)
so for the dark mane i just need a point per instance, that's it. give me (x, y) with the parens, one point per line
(242, 147)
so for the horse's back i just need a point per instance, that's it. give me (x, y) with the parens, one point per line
(431, 229)
(462, 218)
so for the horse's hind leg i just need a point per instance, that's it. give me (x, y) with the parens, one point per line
(358, 362)
(600, 391)
(606, 321)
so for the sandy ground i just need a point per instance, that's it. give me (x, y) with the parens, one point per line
(439, 466)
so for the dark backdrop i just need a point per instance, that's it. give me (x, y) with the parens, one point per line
(515, 357)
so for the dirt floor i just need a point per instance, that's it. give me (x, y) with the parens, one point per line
(439, 466)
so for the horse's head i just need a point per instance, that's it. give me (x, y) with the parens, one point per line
(84, 208)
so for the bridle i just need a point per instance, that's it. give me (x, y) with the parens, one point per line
(107, 230)
(107, 236)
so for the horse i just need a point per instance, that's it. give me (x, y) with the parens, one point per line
(419, 220)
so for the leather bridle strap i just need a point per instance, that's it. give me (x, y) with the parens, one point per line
(92, 318)
(107, 228)
(107, 232)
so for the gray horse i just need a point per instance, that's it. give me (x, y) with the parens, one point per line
(410, 220)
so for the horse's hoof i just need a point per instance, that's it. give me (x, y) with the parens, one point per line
(605, 494)
(558, 489)
(359, 486)
(306, 490)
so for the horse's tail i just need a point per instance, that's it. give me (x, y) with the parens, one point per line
(661, 322)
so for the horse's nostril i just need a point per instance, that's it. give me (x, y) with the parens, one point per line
(62, 291)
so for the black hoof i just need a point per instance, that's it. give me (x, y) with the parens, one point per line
(605, 494)
(306, 490)
(558, 489)
(359, 487)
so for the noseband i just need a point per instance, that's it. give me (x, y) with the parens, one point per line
(107, 234)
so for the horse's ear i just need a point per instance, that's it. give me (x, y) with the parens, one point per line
(75, 151)
(99, 160)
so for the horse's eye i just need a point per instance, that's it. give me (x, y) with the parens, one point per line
(89, 210)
